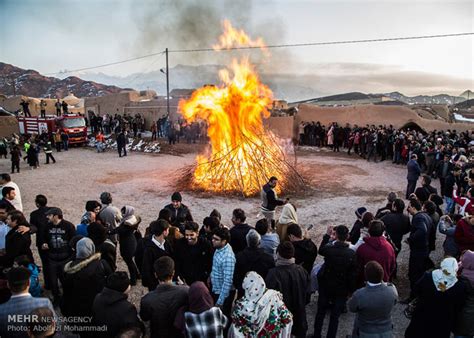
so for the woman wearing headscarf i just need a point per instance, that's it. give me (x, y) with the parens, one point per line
(440, 297)
(261, 312)
(203, 319)
(288, 216)
(128, 241)
(464, 322)
(84, 278)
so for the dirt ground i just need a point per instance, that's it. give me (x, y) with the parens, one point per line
(341, 185)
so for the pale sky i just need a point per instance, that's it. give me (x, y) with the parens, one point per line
(50, 36)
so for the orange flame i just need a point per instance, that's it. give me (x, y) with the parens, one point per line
(232, 38)
(243, 155)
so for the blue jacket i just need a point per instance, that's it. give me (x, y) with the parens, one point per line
(35, 286)
(414, 170)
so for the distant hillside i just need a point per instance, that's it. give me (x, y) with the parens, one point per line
(425, 99)
(18, 81)
(467, 94)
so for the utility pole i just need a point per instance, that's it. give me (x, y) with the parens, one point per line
(167, 86)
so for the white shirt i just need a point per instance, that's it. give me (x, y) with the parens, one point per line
(158, 244)
(16, 202)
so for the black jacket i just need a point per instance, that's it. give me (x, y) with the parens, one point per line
(238, 242)
(251, 259)
(150, 254)
(449, 185)
(193, 262)
(179, 215)
(83, 280)
(39, 224)
(127, 238)
(108, 251)
(423, 193)
(397, 225)
(16, 245)
(338, 275)
(305, 253)
(419, 239)
(355, 231)
(269, 200)
(111, 308)
(292, 281)
(58, 237)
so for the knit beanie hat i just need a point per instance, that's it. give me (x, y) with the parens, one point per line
(118, 281)
(286, 250)
(176, 197)
(85, 248)
(360, 211)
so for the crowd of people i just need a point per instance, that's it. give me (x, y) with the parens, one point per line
(388, 143)
(208, 279)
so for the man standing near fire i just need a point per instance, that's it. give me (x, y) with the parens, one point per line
(270, 200)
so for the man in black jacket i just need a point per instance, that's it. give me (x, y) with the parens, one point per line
(419, 241)
(179, 212)
(305, 250)
(16, 243)
(239, 231)
(252, 258)
(270, 200)
(397, 224)
(112, 303)
(55, 241)
(336, 279)
(155, 247)
(122, 143)
(38, 225)
(193, 255)
(423, 193)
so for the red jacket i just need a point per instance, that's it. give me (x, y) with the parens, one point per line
(376, 249)
(464, 235)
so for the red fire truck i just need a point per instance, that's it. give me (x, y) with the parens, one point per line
(73, 124)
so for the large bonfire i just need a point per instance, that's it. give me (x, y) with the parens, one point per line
(242, 155)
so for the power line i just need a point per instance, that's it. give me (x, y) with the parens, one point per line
(324, 43)
(107, 64)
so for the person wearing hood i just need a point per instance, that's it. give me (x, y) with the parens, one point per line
(376, 248)
(252, 258)
(84, 278)
(305, 250)
(464, 324)
(112, 303)
(288, 216)
(440, 297)
(128, 241)
(202, 318)
(261, 312)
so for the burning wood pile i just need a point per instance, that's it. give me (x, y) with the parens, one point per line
(242, 154)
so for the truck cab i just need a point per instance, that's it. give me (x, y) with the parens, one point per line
(74, 126)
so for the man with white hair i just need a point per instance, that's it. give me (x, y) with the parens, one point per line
(252, 258)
